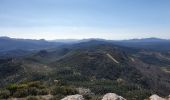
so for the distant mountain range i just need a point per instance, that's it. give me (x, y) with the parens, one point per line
(9, 44)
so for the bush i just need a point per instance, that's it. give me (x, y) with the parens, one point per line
(33, 91)
(12, 88)
(43, 92)
(87, 97)
(21, 93)
(138, 94)
(22, 86)
(4, 94)
(69, 91)
(64, 90)
(36, 84)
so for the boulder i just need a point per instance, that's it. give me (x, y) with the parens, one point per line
(74, 97)
(112, 96)
(169, 97)
(156, 97)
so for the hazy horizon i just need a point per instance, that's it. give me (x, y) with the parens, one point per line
(73, 39)
(83, 19)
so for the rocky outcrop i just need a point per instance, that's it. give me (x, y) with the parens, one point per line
(112, 96)
(156, 97)
(169, 97)
(74, 97)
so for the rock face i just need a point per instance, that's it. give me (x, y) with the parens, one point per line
(74, 97)
(156, 97)
(112, 96)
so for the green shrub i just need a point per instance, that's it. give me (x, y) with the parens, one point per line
(138, 94)
(56, 90)
(12, 88)
(43, 92)
(69, 91)
(36, 84)
(22, 86)
(21, 93)
(4, 94)
(33, 91)
(64, 90)
(87, 97)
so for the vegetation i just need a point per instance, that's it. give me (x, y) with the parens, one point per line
(30, 90)
(60, 71)
(4, 94)
(63, 90)
(24, 89)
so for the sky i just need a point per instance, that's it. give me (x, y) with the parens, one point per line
(80, 19)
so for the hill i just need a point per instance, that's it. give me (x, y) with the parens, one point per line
(99, 65)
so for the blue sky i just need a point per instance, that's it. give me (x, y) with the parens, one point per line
(77, 19)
